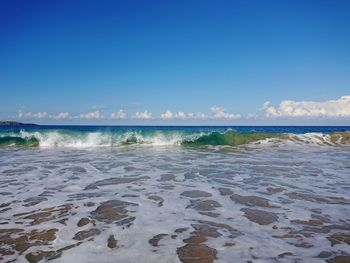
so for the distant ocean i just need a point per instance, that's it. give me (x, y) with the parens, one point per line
(174, 194)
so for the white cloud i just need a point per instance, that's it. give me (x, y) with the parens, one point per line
(91, 115)
(41, 115)
(118, 115)
(294, 109)
(143, 115)
(62, 115)
(38, 115)
(169, 115)
(220, 113)
(182, 115)
(197, 115)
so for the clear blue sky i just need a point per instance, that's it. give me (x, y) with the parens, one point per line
(81, 56)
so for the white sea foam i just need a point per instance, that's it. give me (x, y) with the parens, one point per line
(248, 171)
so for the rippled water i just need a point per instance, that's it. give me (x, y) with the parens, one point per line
(266, 202)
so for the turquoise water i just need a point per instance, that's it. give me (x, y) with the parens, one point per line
(174, 194)
(94, 136)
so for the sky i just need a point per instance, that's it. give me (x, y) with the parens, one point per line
(206, 62)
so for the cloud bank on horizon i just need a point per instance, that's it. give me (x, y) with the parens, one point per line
(339, 108)
(330, 109)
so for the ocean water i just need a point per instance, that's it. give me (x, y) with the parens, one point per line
(174, 194)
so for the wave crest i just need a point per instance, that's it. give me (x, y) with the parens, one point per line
(81, 139)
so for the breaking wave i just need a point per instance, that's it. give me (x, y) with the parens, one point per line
(83, 139)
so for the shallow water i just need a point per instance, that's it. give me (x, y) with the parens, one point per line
(273, 201)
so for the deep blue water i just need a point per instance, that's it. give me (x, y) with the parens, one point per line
(269, 129)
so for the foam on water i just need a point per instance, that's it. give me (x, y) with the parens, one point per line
(293, 181)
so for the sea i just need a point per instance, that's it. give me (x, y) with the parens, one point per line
(168, 194)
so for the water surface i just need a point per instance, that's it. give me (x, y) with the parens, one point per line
(174, 194)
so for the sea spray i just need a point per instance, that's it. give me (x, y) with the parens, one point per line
(53, 138)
